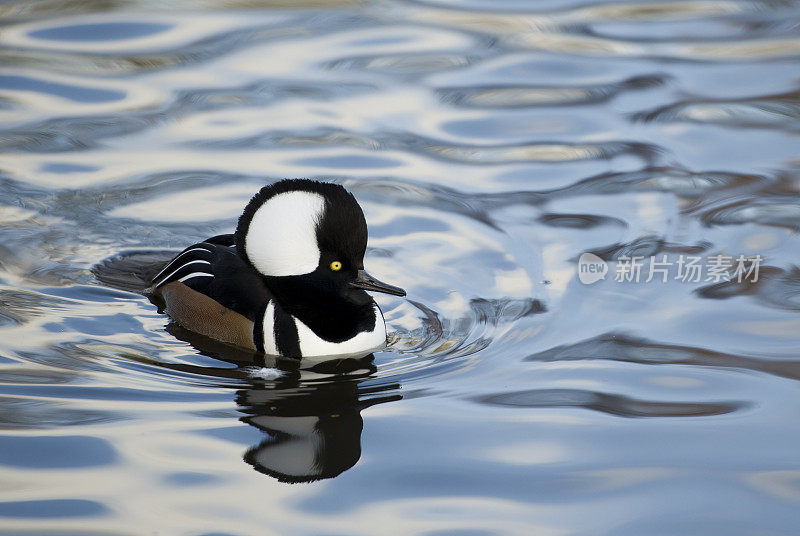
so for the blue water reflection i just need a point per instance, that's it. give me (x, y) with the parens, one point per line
(100, 32)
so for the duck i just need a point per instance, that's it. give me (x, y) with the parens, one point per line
(290, 281)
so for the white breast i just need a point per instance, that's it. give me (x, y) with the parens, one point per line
(270, 346)
(312, 345)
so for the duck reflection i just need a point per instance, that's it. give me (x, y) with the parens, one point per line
(310, 415)
(314, 428)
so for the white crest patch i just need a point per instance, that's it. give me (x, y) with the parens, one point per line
(282, 239)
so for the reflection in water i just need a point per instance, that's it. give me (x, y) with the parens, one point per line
(314, 428)
(311, 413)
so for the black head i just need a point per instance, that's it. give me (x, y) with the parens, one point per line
(308, 239)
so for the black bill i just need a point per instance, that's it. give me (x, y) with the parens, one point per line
(367, 282)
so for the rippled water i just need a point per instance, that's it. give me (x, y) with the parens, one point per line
(490, 150)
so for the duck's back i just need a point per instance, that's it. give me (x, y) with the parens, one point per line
(209, 289)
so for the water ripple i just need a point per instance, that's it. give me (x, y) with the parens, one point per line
(630, 349)
(524, 96)
(775, 210)
(775, 287)
(770, 111)
(612, 404)
(542, 152)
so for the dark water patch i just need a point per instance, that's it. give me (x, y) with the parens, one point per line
(773, 210)
(67, 91)
(350, 162)
(318, 137)
(67, 168)
(464, 532)
(55, 532)
(100, 32)
(122, 61)
(20, 375)
(505, 310)
(20, 306)
(81, 204)
(31, 414)
(410, 194)
(97, 326)
(555, 152)
(780, 111)
(54, 508)
(405, 64)
(648, 246)
(69, 356)
(621, 406)
(527, 96)
(775, 287)
(409, 224)
(92, 293)
(37, 141)
(66, 134)
(661, 179)
(578, 221)
(56, 452)
(659, 524)
(630, 349)
(82, 392)
(262, 93)
(189, 479)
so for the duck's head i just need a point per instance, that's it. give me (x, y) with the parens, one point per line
(308, 239)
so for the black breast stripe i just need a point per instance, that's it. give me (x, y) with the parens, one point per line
(286, 338)
(258, 329)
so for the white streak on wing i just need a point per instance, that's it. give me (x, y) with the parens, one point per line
(312, 344)
(270, 346)
(182, 266)
(281, 239)
(194, 274)
(173, 261)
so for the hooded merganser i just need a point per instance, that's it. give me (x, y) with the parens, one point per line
(289, 282)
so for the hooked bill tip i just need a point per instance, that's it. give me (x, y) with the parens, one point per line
(365, 281)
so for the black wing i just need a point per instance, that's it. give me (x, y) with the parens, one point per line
(222, 240)
(214, 269)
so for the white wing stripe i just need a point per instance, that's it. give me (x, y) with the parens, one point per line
(194, 274)
(182, 266)
(173, 261)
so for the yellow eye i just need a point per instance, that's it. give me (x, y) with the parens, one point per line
(336, 266)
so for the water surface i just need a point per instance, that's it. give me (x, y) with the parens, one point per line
(490, 145)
